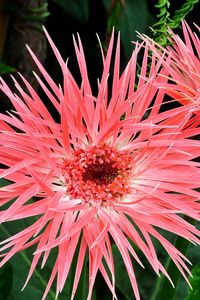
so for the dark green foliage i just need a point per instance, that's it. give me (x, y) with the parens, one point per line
(4, 69)
(194, 294)
(6, 278)
(79, 9)
(129, 18)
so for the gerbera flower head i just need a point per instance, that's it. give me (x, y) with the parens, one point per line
(110, 165)
(182, 60)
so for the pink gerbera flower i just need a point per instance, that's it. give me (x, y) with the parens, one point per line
(111, 165)
(182, 61)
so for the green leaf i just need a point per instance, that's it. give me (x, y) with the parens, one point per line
(163, 289)
(122, 279)
(4, 69)
(78, 9)
(82, 290)
(194, 294)
(6, 276)
(21, 265)
(4, 182)
(134, 16)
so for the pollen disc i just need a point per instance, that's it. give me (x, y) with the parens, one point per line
(99, 173)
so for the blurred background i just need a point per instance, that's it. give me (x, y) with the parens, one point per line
(21, 23)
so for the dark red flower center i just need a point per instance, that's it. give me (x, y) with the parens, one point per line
(99, 173)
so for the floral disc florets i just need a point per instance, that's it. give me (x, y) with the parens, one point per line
(99, 173)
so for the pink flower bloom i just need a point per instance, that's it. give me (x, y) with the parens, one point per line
(109, 166)
(185, 66)
(182, 61)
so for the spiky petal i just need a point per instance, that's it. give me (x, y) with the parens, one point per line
(110, 165)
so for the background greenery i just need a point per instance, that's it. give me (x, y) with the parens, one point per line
(62, 18)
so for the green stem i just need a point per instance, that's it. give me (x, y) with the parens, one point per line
(163, 289)
(166, 21)
(28, 262)
(181, 13)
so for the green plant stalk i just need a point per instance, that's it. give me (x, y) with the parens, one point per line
(28, 262)
(181, 13)
(163, 289)
(165, 21)
(160, 27)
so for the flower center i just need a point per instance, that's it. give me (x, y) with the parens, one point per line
(99, 173)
